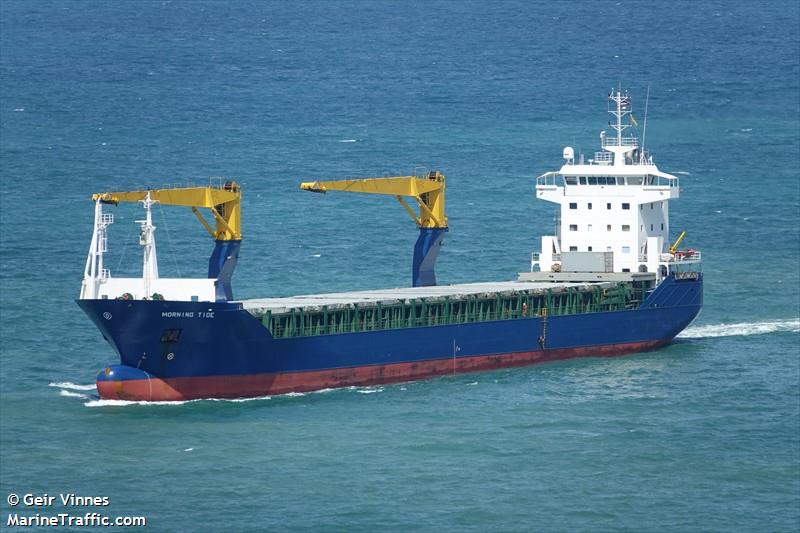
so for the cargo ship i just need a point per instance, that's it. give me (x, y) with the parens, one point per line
(607, 283)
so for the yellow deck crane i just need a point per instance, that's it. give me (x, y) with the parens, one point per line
(427, 191)
(225, 205)
(674, 247)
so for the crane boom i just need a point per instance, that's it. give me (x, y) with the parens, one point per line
(223, 202)
(677, 242)
(427, 191)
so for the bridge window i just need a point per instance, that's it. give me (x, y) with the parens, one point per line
(573, 205)
(583, 180)
(592, 181)
(626, 206)
(571, 180)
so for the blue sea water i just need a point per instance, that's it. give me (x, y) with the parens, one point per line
(703, 435)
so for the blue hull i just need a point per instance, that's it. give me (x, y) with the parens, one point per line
(179, 350)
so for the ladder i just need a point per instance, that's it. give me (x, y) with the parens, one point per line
(543, 338)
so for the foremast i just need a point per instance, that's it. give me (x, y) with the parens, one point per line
(147, 240)
(94, 273)
(224, 204)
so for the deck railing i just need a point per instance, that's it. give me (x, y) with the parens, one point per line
(626, 141)
(603, 157)
(687, 256)
(537, 256)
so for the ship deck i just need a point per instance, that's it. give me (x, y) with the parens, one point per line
(369, 298)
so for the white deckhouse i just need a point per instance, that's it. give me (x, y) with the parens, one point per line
(614, 215)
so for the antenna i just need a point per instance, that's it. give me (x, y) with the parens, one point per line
(644, 128)
(620, 108)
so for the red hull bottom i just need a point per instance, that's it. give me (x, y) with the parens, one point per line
(253, 385)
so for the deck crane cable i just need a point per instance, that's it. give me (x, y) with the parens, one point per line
(223, 202)
(169, 240)
(126, 244)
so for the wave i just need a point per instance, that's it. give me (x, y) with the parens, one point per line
(71, 394)
(742, 328)
(73, 386)
(94, 401)
(242, 400)
(122, 403)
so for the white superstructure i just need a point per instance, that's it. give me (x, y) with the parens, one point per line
(99, 284)
(614, 207)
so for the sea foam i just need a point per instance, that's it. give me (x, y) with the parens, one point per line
(73, 386)
(122, 403)
(741, 328)
(71, 394)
